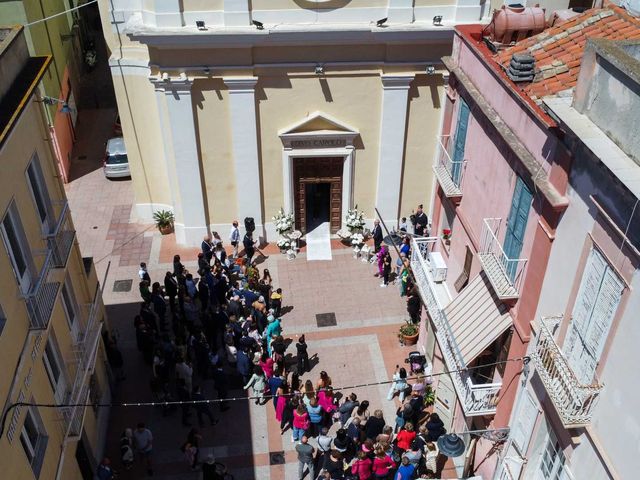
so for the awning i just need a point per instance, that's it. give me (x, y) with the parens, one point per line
(477, 317)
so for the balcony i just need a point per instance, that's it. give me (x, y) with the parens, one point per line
(448, 172)
(86, 349)
(60, 240)
(476, 399)
(42, 296)
(573, 401)
(504, 273)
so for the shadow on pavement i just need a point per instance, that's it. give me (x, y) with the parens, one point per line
(229, 440)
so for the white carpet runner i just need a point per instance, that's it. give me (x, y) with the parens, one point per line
(319, 243)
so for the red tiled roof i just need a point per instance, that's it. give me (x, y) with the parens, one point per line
(558, 50)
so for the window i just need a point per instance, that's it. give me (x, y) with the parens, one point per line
(54, 366)
(69, 304)
(463, 279)
(34, 439)
(459, 142)
(40, 194)
(596, 304)
(517, 225)
(17, 247)
(552, 462)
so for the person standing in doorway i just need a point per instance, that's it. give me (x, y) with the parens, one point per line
(377, 235)
(234, 238)
(305, 457)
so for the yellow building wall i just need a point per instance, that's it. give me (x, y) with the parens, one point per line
(139, 115)
(27, 137)
(354, 99)
(211, 106)
(425, 108)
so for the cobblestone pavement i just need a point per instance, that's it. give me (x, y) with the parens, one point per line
(361, 348)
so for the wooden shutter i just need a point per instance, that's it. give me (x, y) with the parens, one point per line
(524, 422)
(597, 301)
(460, 141)
(463, 279)
(517, 224)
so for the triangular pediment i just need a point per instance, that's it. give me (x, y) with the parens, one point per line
(318, 122)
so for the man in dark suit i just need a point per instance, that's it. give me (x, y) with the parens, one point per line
(171, 289)
(207, 248)
(420, 222)
(377, 235)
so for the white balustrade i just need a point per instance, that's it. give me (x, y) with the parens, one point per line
(573, 401)
(504, 273)
(476, 399)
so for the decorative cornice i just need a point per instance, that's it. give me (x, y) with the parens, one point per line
(396, 82)
(240, 84)
(171, 84)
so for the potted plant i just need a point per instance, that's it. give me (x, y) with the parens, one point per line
(408, 333)
(164, 221)
(429, 396)
(446, 236)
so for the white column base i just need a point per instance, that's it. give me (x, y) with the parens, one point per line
(190, 236)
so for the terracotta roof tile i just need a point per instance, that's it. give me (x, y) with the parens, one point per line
(558, 50)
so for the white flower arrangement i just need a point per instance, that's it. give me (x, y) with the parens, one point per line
(283, 243)
(357, 239)
(355, 219)
(283, 222)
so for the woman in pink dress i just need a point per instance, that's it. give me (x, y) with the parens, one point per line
(266, 363)
(326, 400)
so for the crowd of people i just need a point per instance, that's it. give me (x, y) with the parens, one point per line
(364, 446)
(226, 320)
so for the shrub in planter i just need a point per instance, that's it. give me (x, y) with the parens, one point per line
(164, 221)
(408, 333)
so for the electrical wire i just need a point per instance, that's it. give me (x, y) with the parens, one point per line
(60, 13)
(207, 401)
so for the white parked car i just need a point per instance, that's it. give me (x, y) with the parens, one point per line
(116, 162)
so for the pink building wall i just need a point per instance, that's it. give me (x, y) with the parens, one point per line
(488, 183)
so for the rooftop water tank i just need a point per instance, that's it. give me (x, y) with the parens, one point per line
(513, 23)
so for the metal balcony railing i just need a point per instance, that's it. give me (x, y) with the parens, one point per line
(476, 399)
(504, 273)
(448, 172)
(86, 348)
(60, 240)
(42, 296)
(573, 401)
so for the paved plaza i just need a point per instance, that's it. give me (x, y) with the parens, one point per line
(361, 348)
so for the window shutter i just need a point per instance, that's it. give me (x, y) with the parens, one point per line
(565, 473)
(463, 279)
(460, 141)
(524, 422)
(585, 301)
(598, 299)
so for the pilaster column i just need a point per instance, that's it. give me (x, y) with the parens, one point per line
(183, 161)
(400, 11)
(168, 13)
(236, 13)
(244, 140)
(392, 140)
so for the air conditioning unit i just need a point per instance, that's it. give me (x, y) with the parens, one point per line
(438, 267)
